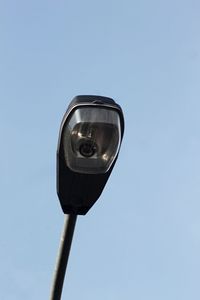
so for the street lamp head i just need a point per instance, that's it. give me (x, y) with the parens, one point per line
(89, 141)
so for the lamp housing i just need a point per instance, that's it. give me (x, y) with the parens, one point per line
(89, 141)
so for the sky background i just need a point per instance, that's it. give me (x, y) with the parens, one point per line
(141, 240)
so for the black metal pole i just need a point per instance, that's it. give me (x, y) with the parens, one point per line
(63, 255)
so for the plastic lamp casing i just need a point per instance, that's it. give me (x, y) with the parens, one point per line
(90, 137)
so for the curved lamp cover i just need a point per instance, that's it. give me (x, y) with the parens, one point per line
(89, 142)
(91, 139)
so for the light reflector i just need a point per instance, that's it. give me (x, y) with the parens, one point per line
(92, 137)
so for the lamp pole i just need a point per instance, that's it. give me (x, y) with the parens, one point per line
(63, 255)
(89, 142)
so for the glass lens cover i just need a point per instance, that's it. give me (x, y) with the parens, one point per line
(92, 137)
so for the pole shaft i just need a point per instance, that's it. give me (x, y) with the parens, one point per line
(63, 255)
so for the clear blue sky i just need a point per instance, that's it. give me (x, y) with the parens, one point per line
(142, 238)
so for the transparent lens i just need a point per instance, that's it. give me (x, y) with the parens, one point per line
(91, 139)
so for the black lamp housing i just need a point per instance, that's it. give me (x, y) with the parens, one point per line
(89, 141)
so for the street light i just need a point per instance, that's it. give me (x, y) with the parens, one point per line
(89, 141)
